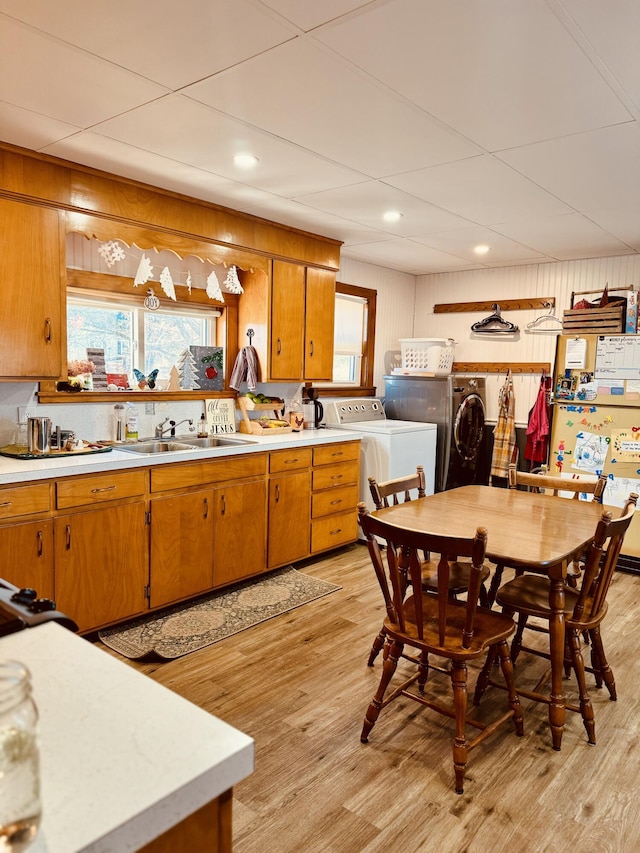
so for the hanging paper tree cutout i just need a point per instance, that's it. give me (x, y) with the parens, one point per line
(188, 371)
(232, 282)
(144, 273)
(167, 283)
(213, 287)
(111, 252)
(188, 281)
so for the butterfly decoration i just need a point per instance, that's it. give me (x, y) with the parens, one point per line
(146, 381)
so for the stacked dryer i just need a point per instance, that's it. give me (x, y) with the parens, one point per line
(456, 404)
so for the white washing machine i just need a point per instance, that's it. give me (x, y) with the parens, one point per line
(389, 449)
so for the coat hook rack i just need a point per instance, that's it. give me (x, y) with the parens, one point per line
(250, 334)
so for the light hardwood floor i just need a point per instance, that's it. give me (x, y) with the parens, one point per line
(299, 685)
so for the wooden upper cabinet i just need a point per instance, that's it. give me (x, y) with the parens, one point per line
(287, 321)
(319, 323)
(31, 272)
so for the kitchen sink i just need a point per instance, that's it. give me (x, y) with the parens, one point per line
(215, 441)
(156, 447)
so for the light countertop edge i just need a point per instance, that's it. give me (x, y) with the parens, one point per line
(123, 758)
(27, 470)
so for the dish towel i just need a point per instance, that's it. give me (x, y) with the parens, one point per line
(505, 449)
(245, 369)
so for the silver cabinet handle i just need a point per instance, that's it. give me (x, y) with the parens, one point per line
(104, 489)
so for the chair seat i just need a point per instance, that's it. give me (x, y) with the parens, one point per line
(530, 594)
(459, 575)
(490, 628)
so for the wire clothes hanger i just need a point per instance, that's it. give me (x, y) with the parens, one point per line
(539, 324)
(494, 324)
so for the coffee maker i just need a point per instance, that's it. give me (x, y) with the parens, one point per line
(312, 409)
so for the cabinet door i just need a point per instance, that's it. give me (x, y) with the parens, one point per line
(287, 321)
(239, 531)
(32, 292)
(27, 556)
(181, 546)
(289, 518)
(319, 323)
(101, 560)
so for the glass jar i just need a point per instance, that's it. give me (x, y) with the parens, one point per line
(20, 807)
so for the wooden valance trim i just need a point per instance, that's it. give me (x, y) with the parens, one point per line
(505, 305)
(501, 366)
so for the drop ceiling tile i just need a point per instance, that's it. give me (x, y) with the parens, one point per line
(366, 202)
(612, 30)
(461, 242)
(564, 237)
(594, 171)
(328, 108)
(480, 189)
(187, 131)
(49, 77)
(502, 74)
(308, 14)
(171, 45)
(407, 256)
(29, 129)
(100, 152)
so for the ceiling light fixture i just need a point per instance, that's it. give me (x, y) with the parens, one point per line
(481, 250)
(392, 216)
(245, 161)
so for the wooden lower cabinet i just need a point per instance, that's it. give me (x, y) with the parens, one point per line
(181, 546)
(334, 495)
(289, 514)
(101, 564)
(239, 531)
(27, 556)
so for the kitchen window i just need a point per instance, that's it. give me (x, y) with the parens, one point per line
(133, 337)
(354, 341)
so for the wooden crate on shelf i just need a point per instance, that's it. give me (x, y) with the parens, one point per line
(594, 321)
(252, 427)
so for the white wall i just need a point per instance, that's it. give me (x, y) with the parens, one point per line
(518, 282)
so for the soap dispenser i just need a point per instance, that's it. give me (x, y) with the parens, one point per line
(131, 428)
(202, 426)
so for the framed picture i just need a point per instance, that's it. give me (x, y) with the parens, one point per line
(208, 367)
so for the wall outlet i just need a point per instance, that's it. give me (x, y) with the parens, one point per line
(23, 413)
(149, 408)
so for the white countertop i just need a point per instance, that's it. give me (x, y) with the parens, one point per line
(123, 758)
(27, 470)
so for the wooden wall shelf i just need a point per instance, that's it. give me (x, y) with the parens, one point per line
(501, 366)
(505, 305)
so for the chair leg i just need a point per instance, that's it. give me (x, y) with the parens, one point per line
(460, 749)
(586, 708)
(516, 643)
(495, 584)
(388, 669)
(484, 597)
(378, 645)
(423, 670)
(507, 671)
(482, 682)
(603, 669)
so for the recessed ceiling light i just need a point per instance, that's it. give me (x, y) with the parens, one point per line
(245, 161)
(392, 216)
(481, 250)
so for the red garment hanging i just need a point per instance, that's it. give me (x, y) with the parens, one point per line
(538, 429)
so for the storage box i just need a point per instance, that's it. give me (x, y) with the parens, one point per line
(594, 321)
(427, 355)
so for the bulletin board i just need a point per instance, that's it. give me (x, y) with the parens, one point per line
(613, 381)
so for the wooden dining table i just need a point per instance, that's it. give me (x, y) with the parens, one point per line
(536, 532)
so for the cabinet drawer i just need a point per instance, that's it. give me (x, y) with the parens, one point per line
(289, 460)
(335, 475)
(329, 454)
(77, 491)
(166, 477)
(24, 500)
(334, 500)
(333, 531)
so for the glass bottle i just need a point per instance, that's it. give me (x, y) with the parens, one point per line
(20, 807)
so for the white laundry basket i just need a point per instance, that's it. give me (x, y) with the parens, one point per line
(427, 355)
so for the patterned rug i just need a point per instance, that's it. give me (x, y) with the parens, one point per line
(188, 627)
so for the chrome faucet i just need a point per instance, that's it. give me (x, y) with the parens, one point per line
(171, 429)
